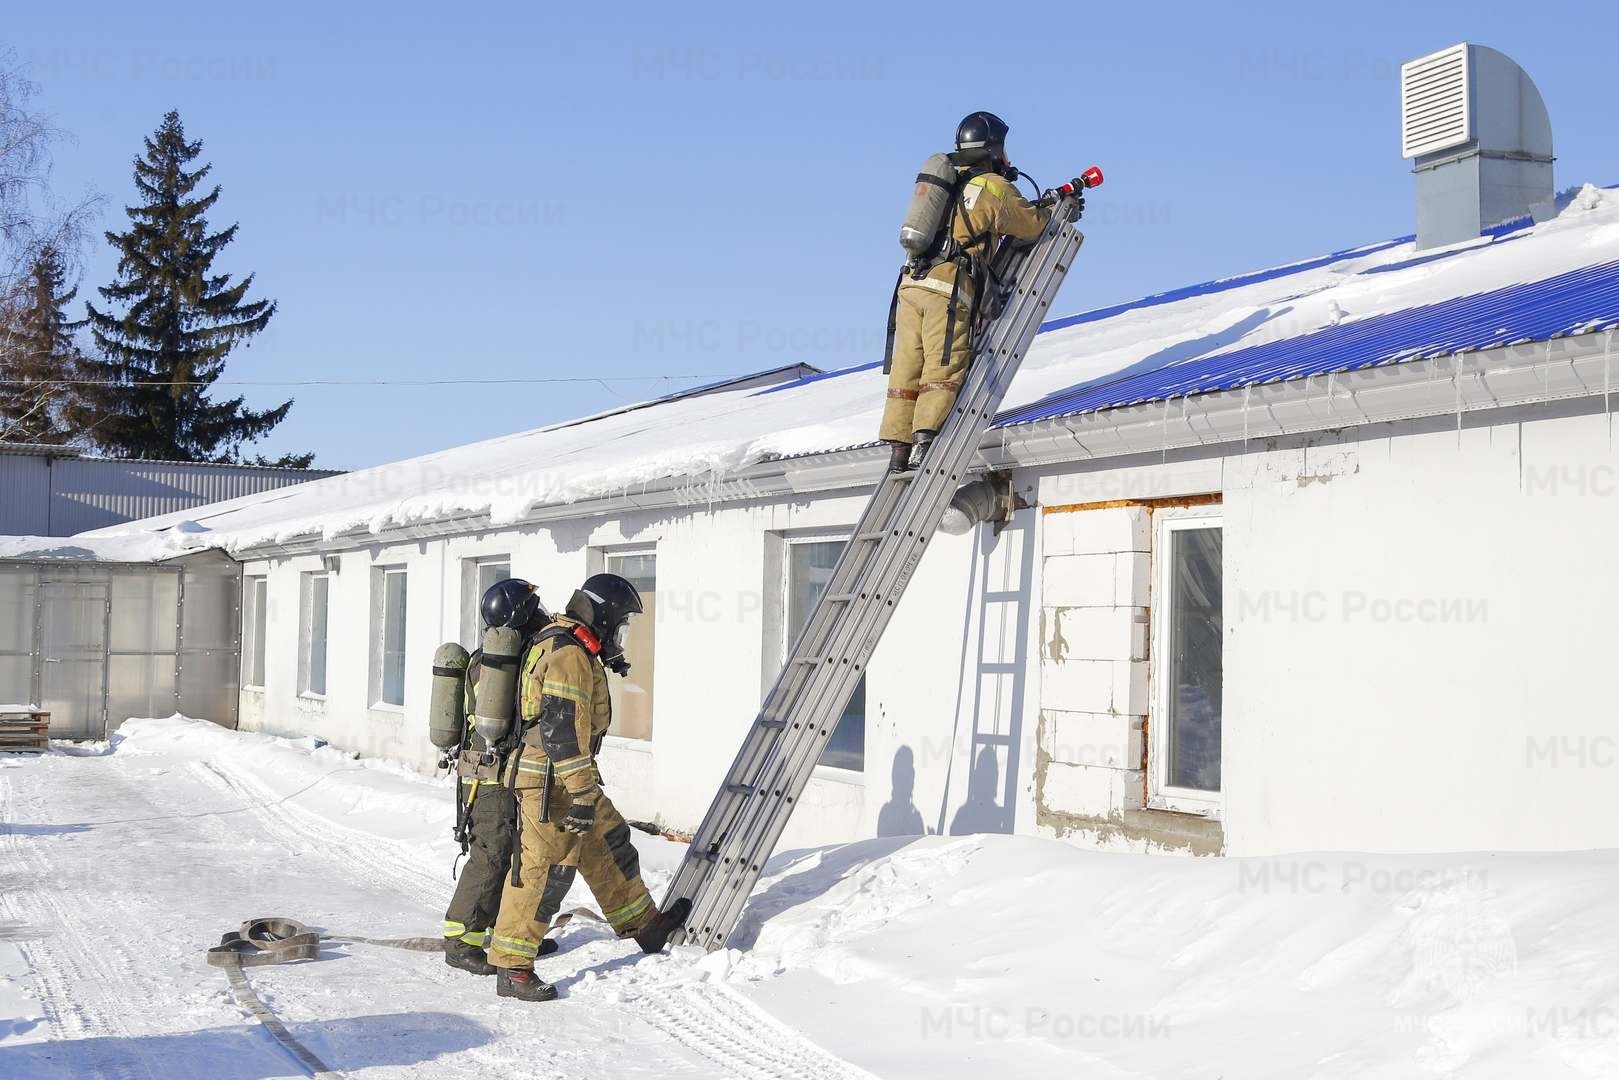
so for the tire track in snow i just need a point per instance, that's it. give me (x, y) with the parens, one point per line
(710, 1021)
(70, 979)
(720, 1025)
(376, 861)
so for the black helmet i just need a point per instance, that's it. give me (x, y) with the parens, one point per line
(605, 603)
(980, 138)
(512, 603)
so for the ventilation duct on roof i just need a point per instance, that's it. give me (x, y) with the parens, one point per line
(1482, 141)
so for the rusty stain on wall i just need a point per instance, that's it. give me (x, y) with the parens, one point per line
(1151, 504)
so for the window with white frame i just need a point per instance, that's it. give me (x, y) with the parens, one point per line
(1187, 657)
(809, 570)
(313, 605)
(632, 696)
(388, 597)
(478, 576)
(255, 616)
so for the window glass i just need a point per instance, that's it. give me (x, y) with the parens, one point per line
(809, 571)
(254, 594)
(1195, 659)
(315, 662)
(480, 576)
(393, 638)
(632, 696)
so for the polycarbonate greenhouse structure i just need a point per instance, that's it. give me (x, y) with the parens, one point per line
(91, 640)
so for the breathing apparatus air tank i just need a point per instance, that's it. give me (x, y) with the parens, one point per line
(930, 206)
(446, 705)
(497, 684)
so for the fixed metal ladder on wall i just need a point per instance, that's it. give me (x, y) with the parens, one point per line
(780, 751)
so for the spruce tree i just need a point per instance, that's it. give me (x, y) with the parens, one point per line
(180, 321)
(38, 357)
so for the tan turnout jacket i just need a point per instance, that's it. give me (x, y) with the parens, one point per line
(990, 207)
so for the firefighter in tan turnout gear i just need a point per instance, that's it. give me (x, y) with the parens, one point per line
(566, 825)
(968, 203)
(483, 823)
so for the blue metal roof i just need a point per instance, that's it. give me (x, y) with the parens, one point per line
(1579, 301)
(1205, 288)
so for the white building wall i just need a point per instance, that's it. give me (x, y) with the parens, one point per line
(1416, 645)
(1420, 642)
(718, 642)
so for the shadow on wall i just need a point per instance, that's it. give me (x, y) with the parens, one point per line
(990, 696)
(899, 815)
(244, 1053)
(981, 813)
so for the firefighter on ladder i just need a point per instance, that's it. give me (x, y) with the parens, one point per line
(565, 824)
(936, 299)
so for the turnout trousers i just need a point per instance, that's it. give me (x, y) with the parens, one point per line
(476, 902)
(923, 382)
(550, 858)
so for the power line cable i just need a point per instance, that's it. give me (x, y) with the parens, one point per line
(352, 382)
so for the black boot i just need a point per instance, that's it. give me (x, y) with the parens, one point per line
(655, 935)
(458, 954)
(899, 456)
(919, 449)
(524, 985)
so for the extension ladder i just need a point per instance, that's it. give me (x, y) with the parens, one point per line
(780, 752)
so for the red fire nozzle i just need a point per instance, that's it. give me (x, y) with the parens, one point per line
(1091, 177)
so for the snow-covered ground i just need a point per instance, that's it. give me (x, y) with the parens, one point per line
(930, 957)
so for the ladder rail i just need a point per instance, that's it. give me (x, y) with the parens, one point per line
(799, 749)
(778, 756)
(822, 625)
(793, 680)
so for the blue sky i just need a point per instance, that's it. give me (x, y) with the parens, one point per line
(649, 193)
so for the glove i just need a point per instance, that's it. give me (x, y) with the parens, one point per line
(1076, 188)
(581, 817)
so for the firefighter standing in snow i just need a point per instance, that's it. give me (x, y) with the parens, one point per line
(483, 810)
(938, 292)
(566, 825)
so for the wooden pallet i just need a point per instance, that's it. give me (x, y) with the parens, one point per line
(24, 731)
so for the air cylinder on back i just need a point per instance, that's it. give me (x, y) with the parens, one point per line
(497, 683)
(930, 206)
(446, 705)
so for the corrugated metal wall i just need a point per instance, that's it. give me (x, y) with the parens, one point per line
(25, 495)
(96, 643)
(45, 496)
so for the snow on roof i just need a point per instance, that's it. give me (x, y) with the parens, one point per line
(1376, 304)
(148, 545)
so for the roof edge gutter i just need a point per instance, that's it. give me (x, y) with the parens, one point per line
(1576, 366)
(845, 470)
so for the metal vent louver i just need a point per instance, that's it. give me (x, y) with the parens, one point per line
(1434, 108)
